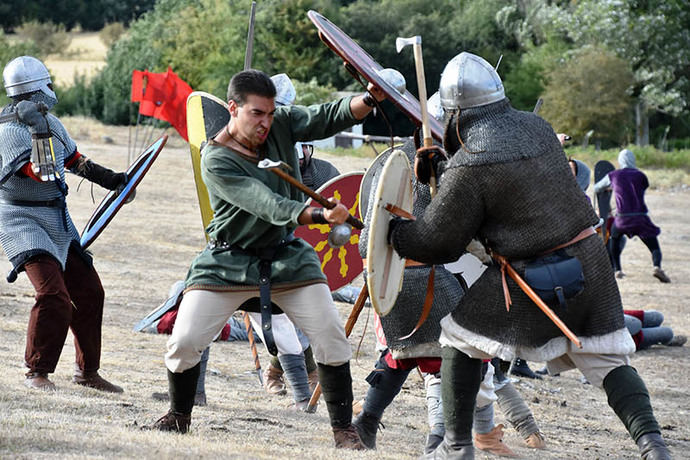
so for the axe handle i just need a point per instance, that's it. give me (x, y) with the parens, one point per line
(426, 130)
(252, 345)
(352, 220)
(349, 325)
(421, 83)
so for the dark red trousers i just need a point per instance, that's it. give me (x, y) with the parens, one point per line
(72, 299)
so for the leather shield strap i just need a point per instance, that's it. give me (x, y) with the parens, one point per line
(428, 302)
(399, 212)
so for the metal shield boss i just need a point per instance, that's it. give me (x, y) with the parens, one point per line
(340, 263)
(385, 267)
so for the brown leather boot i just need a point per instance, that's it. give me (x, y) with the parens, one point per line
(273, 381)
(493, 442)
(347, 438)
(38, 381)
(172, 421)
(536, 440)
(95, 381)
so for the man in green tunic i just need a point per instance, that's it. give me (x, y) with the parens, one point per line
(255, 213)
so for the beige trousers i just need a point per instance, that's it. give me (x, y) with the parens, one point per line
(594, 366)
(202, 314)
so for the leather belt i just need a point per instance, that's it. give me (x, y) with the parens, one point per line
(266, 257)
(414, 263)
(55, 203)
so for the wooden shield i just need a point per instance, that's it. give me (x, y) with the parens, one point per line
(340, 265)
(350, 52)
(112, 202)
(384, 266)
(368, 179)
(206, 115)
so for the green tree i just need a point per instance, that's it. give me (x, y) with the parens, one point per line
(287, 41)
(9, 51)
(590, 92)
(654, 37)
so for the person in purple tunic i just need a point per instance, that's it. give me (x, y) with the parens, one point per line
(632, 219)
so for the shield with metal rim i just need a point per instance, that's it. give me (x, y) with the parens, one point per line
(172, 302)
(112, 202)
(206, 115)
(350, 52)
(385, 267)
(368, 180)
(343, 264)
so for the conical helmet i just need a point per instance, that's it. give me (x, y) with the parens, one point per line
(469, 81)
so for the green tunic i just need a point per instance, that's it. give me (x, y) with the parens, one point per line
(254, 208)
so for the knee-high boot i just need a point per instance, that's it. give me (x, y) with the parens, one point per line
(385, 385)
(629, 398)
(181, 388)
(336, 387)
(460, 378)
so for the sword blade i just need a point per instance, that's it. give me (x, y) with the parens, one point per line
(250, 39)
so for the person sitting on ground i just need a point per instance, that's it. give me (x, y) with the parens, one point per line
(646, 329)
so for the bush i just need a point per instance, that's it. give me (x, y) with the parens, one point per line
(111, 33)
(9, 51)
(312, 93)
(645, 157)
(48, 37)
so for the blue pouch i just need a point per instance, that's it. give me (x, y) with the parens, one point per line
(555, 277)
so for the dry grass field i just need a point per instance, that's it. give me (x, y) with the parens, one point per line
(149, 246)
(84, 56)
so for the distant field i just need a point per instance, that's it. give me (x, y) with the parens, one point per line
(84, 56)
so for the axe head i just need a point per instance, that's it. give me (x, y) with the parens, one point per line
(401, 43)
(267, 163)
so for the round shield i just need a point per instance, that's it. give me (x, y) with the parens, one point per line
(350, 52)
(343, 264)
(368, 179)
(112, 202)
(384, 266)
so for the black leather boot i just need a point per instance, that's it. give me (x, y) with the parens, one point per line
(629, 398)
(653, 447)
(367, 425)
(182, 389)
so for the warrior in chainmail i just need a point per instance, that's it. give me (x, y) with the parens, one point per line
(37, 233)
(509, 185)
(400, 356)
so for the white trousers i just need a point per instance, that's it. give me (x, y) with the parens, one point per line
(284, 333)
(202, 314)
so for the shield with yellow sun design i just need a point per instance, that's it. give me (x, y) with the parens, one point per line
(343, 264)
